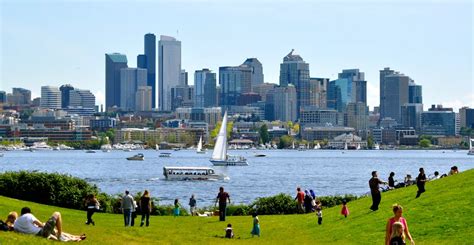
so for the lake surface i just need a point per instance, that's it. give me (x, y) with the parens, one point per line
(327, 172)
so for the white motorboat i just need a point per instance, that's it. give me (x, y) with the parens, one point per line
(376, 146)
(471, 147)
(165, 154)
(40, 146)
(137, 157)
(106, 148)
(219, 155)
(191, 173)
(199, 149)
(317, 146)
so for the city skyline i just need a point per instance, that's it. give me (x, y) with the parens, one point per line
(432, 46)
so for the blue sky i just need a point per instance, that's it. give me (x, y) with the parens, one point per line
(58, 42)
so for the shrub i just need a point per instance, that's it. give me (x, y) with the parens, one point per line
(238, 210)
(279, 204)
(331, 201)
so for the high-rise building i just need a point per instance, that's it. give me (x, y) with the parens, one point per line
(65, 89)
(143, 98)
(205, 88)
(358, 86)
(414, 93)
(50, 97)
(357, 116)
(3, 97)
(141, 61)
(113, 63)
(284, 100)
(340, 94)
(130, 80)
(315, 116)
(150, 53)
(183, 77)
(263, 89)
(438, 121)
(80, 98)
(183, 96)
(295, 71)
(19, 96)
(169, 72)
(466, 117)
(257, 71)
(411, 115)
(394, 93)
(234, 81)
(318, 92)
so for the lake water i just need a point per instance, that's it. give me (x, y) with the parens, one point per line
(327, 172)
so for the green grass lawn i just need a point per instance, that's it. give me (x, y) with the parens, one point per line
(444, 214)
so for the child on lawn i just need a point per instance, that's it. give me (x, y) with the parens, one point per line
(229, 233)
(256, 225)
(176, 207)
(319, 212)
(397, 237)
(345, 210)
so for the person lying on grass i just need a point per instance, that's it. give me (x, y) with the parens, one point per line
(27, 223)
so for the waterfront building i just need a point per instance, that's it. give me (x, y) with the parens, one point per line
(50, 97)
(394, 88)
(466, 117)
(318, 92)
(256, 77)
(210, 115)
(169, 70)
(205, 88)
(172, 135)
(234, 81)
(315, 116)
(143, 98)
(438, 121)
(348, 140)
(284, 101)
(130, 80)
(323, 133)
(113, 63)
(65, 89)
(294, 70)
(102, 124)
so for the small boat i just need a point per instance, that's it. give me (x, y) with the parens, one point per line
(106, 148)
(199, 149)
(219, 155)
(317, 146)
(376, 146)
(165, 154)
(90, 151)
(137, 157)
(176, 149)
(471, 147)
(259, 155)
(157, 147)
(127, 150)
(191, 173)
(56, 148)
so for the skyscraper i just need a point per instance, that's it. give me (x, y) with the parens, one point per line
(50, 97)
(65, 89)
(141, 61)
(130, 80)
(3, 97)
(19, 96)
(357, 115)
(284, 103)
(205, 88)
(113, 63)
(414, 93)
(411, 116)
(150, 53)
(295, 71)
(143, 98)
(359, 85)
(257, 71)
(234, 81)
(394, 93)
(183, 77)
(81, 98)
(318, 92)
(169, 53)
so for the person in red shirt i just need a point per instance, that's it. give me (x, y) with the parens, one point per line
(300, 198)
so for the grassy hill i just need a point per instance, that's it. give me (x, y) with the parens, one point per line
(444, 214)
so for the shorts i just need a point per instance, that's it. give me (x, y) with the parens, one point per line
(48, 227)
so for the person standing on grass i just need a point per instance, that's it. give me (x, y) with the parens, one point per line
(145, 208)
(397, 237)
(420, 182)
(222, 198)
(256, 225)
(300, 198)
(375, 190)
(177, 206)
(127, 207)
(345, 209)
(319, 212)
(308, 207)
(192, 205)
(397, 211)
(92, 206)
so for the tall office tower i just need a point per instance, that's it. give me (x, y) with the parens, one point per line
(359, 85)
(411, 115)
(130, 80)
(141, 61)
(3, 97)
(19, 96)
(466, 117)
(438, 121)
(183, 77)
(205, 88)
(394, 94)
(183, 96)
(143, 98)
(150, 53)
(340, 93)
(234, 81)
(284, 100)
(113, 63)
(357, 116)
(318, 92)
(81, 98)
(257, 71)
(263, 89)
(50, 97)
(65, 89)
(295, 71)
(414, 93)
(169, 54)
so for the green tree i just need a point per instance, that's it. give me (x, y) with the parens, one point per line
(215, 131)
(285, 141)
(425, 143)
(264, 136)
(370, 142)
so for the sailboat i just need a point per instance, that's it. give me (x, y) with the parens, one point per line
(219, 155)
(317, 147)
(376, 146)
(199, 147)
(157, 147)
(471, 147)
(293, 145)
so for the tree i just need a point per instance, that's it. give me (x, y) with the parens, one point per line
(264, 136)
(370, 142)
(425, 143)
(285, 141)
(215, 131)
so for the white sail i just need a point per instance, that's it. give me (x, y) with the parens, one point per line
(293, 146)
(157, 147)
(199, 146)
(317, 146)
(220, 147)
(345, 146)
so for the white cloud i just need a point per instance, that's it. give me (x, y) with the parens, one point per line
(373, 98)
(99, 97)
(461, 101)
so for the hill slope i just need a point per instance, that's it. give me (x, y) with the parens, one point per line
(442, 215)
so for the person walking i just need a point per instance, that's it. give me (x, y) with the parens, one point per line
(375, 190)
(308, 202)
(177, 206)
(192, 205)
(92, 206)
(420, 182)
(222, 198)
(345, 209)
(300, 199)
(397, 211)
(145, 208)
(127, 207)
(256, 225)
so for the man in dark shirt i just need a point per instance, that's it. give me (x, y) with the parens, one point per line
(375, 191)
(420, 182)
(222, 198)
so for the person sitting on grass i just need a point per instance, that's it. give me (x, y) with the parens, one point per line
(229, 233)
(27, 223)
(12, 216)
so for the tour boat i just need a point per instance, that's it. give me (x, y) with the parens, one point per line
(471, 147)
(219, 155)
(137, 157)
(190, 173)
(165, 154)
(199, 149)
